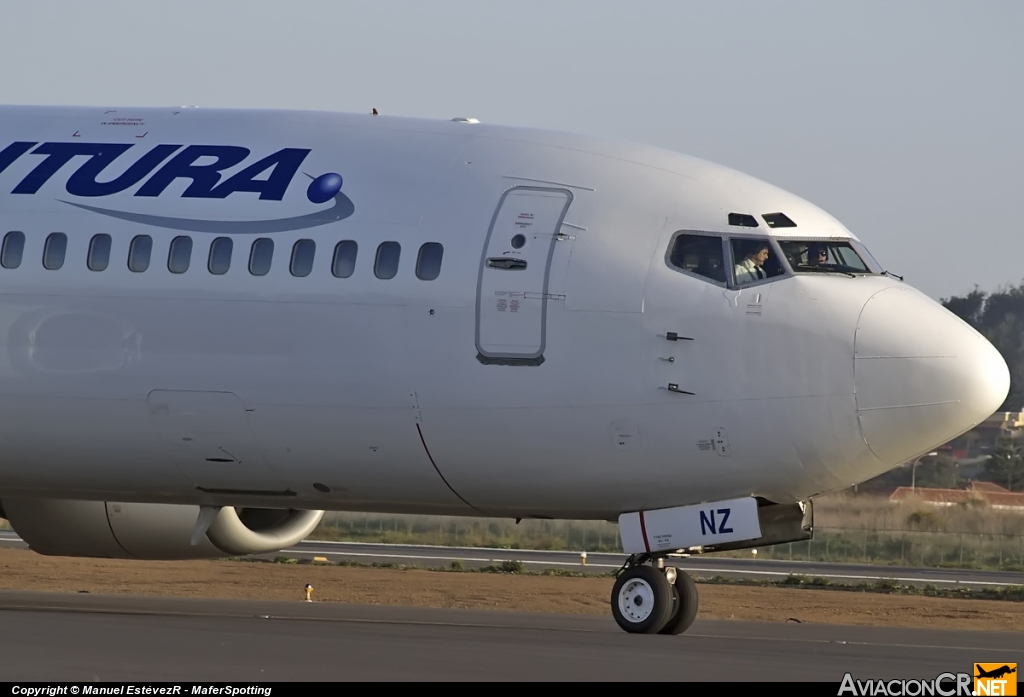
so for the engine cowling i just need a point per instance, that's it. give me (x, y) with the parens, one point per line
(152, 530)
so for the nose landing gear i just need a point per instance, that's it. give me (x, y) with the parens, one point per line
(652, 598)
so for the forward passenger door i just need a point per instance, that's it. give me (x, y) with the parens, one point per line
(513, 282)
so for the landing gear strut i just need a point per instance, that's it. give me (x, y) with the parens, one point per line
(650, 598)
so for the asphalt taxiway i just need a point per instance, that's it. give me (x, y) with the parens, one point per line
(82, 637)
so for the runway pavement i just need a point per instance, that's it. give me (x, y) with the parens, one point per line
(699, 566)
(77, 637)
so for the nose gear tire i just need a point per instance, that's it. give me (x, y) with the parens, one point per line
(686, 602)
(643, 601)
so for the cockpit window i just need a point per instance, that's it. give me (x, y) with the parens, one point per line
(698, 254)
(868, 259)
(827, 256)
(754, 260)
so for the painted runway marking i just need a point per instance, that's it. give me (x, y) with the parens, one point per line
(854, 577)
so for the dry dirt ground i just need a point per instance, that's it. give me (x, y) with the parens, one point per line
(24, 570)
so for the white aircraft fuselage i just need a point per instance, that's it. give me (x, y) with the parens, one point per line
(579, 370)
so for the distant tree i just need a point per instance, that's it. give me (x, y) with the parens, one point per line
(999, 317)
(968, 308)
(1004, 303)
(1005, 466)
(887, 481)
(941, 472)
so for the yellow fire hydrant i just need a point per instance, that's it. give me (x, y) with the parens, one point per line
(309, 593)
(583, 558)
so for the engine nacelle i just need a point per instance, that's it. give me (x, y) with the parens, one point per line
(152, 530)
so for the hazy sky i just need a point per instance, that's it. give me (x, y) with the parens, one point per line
(905, 120)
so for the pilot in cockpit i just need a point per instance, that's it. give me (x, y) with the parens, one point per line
(817, 255)
(751, 268)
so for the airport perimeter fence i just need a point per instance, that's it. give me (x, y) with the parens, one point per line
(903, 548)
(832, 544)
(501, 533)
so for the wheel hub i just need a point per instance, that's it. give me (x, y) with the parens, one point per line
(636, 600)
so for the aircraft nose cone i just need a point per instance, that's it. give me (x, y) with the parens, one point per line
(922, 375)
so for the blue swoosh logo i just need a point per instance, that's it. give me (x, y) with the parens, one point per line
(342, 208)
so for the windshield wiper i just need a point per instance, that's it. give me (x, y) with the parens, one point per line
(830, 269)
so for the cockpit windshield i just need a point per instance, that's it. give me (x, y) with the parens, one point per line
(823, 256)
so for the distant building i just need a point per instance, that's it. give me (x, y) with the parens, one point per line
(984, 438)
(992, 494)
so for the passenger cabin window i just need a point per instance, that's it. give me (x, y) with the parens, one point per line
(139, 252)
(753, 261)
(13, 249)
(428, 263)
(825, 256)
(303, 252)
(54, 249)
(180, 254)
(220, 256)
(260, 257)
(698, 254)
(344, 263)
(99, 253)
(386, 264)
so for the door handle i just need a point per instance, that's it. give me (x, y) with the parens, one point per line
(673, 387)
(506, 263)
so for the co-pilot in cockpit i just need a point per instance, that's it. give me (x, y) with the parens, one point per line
(831, 256)
(755, 261)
